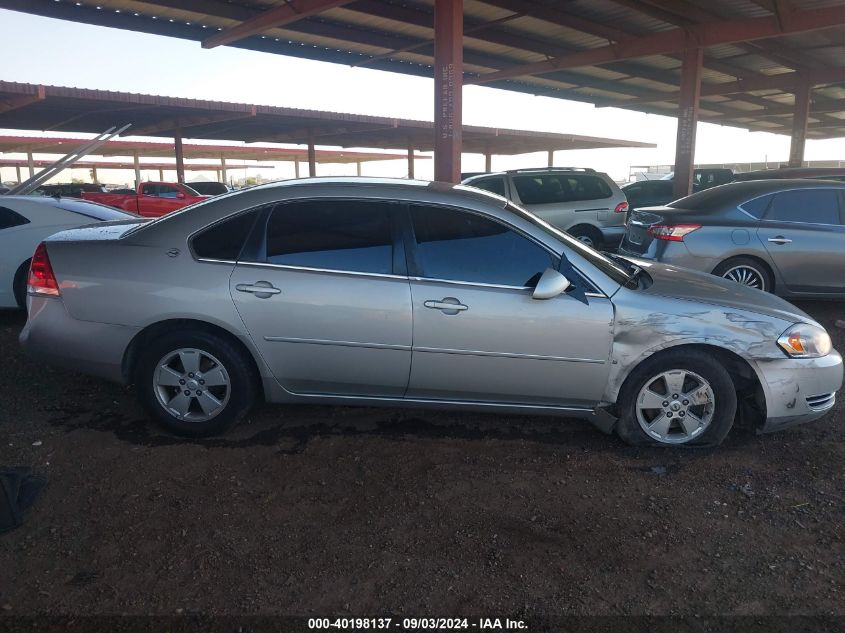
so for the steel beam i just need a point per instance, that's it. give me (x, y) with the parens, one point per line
(673, 40)
(799, 122)
(312, 156)
(410, 160)
(290, 11)
(223, 169)
(691, 62)
(180, 158)
(448, 88)
(137, 165)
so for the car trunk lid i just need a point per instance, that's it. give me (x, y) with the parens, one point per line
(637, 238)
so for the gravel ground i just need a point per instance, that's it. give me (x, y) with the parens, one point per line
(355, 511)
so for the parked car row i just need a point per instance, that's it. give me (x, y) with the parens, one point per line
(406, 293)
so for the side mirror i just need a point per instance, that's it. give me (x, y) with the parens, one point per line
(180, 195)
(551, 285)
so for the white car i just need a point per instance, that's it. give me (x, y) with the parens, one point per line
(27, 220)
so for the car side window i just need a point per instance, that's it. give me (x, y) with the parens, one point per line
(458, 245)
(343, 235)
(811, 206)
(758, 206)
(225, 239)
(166, 191)
(9, 218)
(493, 185)
(150, 190)
(555, 188)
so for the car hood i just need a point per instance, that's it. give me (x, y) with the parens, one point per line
(691, 285)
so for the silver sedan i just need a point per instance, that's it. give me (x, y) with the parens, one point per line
(381, 292)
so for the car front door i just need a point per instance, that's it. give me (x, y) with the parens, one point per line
(804, 234)
(478, 333)
(325, 297)
(160, 199)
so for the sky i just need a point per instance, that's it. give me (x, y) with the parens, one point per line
(83, 56)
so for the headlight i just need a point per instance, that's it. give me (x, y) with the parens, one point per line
(805, 341)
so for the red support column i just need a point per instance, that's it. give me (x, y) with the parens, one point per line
(410, 159)
(803, 90)
(180, 159)
(448, 84)
(687, 120)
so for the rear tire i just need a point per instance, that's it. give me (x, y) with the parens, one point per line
(590, 235)
(677, 398)
(195, 383)
(746, 271)
(19, 284)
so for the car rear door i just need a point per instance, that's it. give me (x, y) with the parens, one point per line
(324, 294)
(804, 233)
(478, 333)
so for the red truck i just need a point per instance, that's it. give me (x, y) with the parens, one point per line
(152, 200)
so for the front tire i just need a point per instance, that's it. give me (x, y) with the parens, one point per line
(196, 384)
(677, 398)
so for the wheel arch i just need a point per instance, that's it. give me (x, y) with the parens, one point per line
(20, 275)
(152, 331)
(750, 388)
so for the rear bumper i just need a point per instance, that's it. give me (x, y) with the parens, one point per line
(613, 234)
(799, 390)
(55, 337)
(674, 253)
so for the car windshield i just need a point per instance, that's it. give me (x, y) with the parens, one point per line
(613, 269)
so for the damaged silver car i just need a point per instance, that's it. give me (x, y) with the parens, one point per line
(388, 292)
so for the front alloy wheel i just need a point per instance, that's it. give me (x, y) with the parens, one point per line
(675, 406)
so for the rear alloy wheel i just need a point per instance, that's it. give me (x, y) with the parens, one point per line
(192, 385)
(683, 397)
(195, 383)
(745, 271)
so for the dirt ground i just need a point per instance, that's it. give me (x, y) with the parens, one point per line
(344, 511)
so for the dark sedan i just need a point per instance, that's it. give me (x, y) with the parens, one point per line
(783, 236)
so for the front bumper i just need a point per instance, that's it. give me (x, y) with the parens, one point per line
(55, 337)
(799, 390)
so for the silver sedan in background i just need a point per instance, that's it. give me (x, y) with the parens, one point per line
(383, 292)
(782, 236)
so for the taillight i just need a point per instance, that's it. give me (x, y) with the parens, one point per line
(42, 281)
(672, 232)
(622, 207)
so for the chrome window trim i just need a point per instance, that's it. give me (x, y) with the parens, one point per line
(469, 283)
(309, 269)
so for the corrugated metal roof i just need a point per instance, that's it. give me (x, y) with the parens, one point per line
(503, 34)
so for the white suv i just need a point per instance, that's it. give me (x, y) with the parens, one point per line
(581, 201)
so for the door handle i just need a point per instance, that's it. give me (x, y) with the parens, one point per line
(449, 305)
(261, 289)
(780, 239)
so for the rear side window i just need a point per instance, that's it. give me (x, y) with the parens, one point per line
(493, 185)
(757, 207)
(345, 235)
(461, 246)
(93, 210)
(224, 240)
(9, 218)
(813, 206)
(552, 188)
